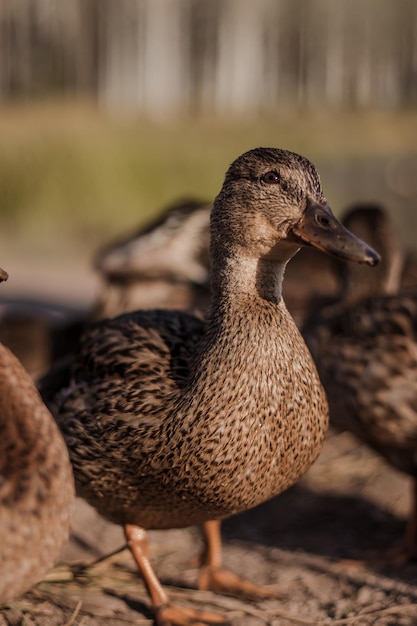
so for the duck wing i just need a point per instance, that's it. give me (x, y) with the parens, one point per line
(126, 367)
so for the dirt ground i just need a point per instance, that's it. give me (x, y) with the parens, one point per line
(325, 546)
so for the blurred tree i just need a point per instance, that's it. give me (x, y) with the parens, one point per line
(176, 56)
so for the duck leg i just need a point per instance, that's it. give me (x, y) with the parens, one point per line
(215, 578)
(166, 614)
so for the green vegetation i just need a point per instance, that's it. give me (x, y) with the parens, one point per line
(71, 177)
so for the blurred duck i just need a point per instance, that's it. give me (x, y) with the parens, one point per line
(165, 264)
(356, 281)
(171, 422)
(39, 332)
(365, 349)
(36, 482)
(310, 281)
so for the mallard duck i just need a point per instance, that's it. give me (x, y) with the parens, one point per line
(365, 348)
(309, 278)
(173, 422)
(36, 482)
(373, 222)
(164, 264)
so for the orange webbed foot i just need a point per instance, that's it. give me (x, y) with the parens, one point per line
(224, 581)
(214, 577)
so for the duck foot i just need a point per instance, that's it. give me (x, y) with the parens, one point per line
(214, 577)
(224, 581)
(172, 615)
(166, 614)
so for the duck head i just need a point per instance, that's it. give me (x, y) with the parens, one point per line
(272, 203)
(373, 223)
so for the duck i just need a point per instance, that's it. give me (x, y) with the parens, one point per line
(172, 421)
(310, 281)
(365, 348)
(39, 332)
(164, 264)
(37, 488)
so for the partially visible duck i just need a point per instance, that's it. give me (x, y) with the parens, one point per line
(310, 278)
(36, 482)
(365, 348)
(165, 264)
(39, 332)
(171, 422)
(373, 222)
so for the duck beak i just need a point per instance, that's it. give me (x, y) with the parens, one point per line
(320, 229)
(3, 275)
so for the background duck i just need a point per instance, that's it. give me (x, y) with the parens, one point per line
(36, 482)
(166, 263)
(365, 349)
(171, 422)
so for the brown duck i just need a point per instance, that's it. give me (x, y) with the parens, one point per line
(164, 264)
(36, 482)
(171, 422)
(365, 348)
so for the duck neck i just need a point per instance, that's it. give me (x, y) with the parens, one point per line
(240, 277)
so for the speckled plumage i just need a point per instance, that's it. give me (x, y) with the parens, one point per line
(172, 422)
(174, 440)
(36, 483)
(365, 348)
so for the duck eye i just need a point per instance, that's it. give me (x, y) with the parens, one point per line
(323, 221)
(271, 178)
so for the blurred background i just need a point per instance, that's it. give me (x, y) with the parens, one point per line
(110, 110)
